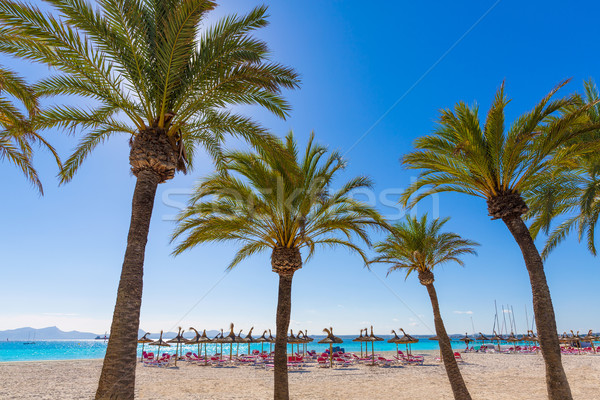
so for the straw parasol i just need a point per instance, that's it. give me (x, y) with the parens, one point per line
(249, 339)
(437, 339)
(512, 338)
(160, 343)
(527, 338)
(408, 340)
(534, 338)
(394, 340)
(217, 339)
(466, 339)
(497, 338)
(591, 338)
(565, 338)
(330, 339)
(530, 337)
(295, 340)
(199, 340)
(577, 339)
(271, 341)
(143, 340)
(179, 339)
(262, 340)
(291, 339)
(482, 338)
(239, 339)
(229, 339)
(360, 339)
(372, 338)
(305, 340)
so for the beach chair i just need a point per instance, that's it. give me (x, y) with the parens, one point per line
(170, 362)
(384, 362)
(340, 362)
(410, 359)
(323, 362)
(458, 357)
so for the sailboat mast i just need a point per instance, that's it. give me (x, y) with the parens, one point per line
(512, 313)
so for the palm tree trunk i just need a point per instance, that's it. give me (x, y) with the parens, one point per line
(556, 379)
(284, 306)
(459, 388)
(117, 380)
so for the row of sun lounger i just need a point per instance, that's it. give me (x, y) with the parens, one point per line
(296, 362)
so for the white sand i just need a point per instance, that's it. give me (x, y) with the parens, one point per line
(488, 376)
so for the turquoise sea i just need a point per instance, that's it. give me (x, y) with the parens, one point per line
(89, 349)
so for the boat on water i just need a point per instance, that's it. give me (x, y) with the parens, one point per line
(30, 341)
(105, 338)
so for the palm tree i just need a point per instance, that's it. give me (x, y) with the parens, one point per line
(153, 75)
(502, 166)
(571, 192)
(419, 245)
(278, 201)
(17, 133)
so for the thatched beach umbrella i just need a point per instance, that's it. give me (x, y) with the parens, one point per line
(143, 340)
(295, 340)
(262, 340)
(360, 339)
(497, 338)
(239, 339)
(529, 338)
(394, 340)
(466, 339)
(249, 339)
(229, 339)
(179, 340)
(305, 340)
(160, 343)
(271, 341)
(437, 339)
(564, 338)
(372, 338)
(533, 336)
(408, 340)
(217, 339)
(590, 338)
(199, 340)
(481, 338)
(577, 340)
(512, 338)
(330, 339)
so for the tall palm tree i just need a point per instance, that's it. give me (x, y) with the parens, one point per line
(502, 166)
(279, 201)
(419, 245)
(17, 132)
(571, 192)
(149, 72)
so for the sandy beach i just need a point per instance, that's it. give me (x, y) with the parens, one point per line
(488, 376)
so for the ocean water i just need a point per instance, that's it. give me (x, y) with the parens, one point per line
(89, 349)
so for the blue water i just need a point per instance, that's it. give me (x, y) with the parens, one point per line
(89, 349)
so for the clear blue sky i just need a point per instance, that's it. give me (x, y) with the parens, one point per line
(62, 254)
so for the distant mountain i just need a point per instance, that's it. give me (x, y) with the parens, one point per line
(49, 333)
(52, 333)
